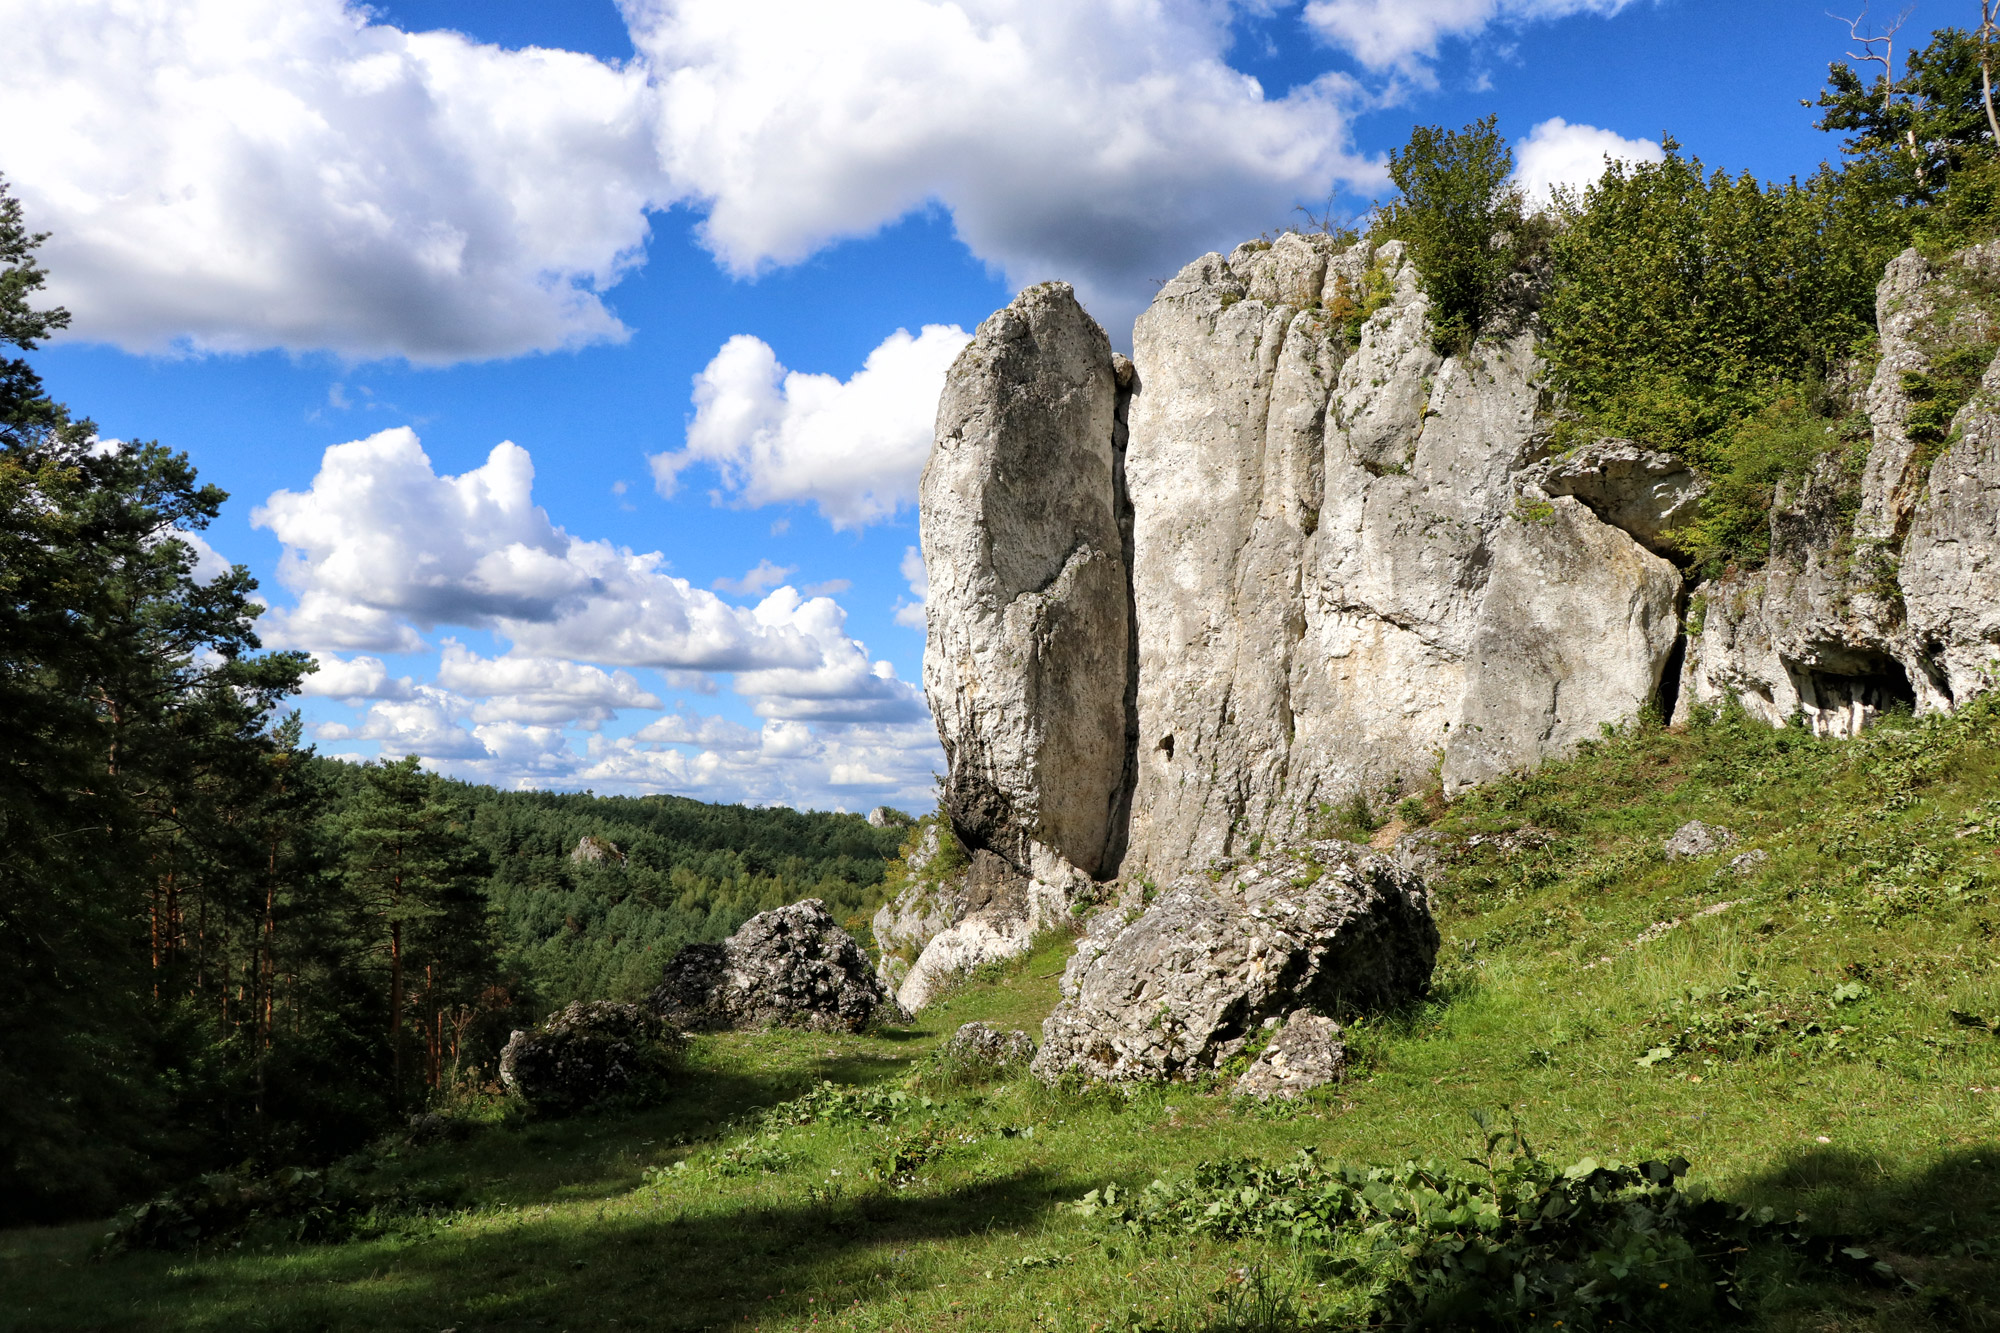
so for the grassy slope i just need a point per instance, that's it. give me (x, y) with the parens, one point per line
(1874, 1113)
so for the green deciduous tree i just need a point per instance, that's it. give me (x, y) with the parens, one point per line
(1464, 221)
(1911, 132)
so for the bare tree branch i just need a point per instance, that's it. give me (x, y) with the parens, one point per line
(1886, 58)
(1988, 29)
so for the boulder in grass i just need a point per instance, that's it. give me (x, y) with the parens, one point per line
(589, 1053)
(1304, 1054)
(1694, 840)
(790, 967)
(1182, 987)
(983, 1044)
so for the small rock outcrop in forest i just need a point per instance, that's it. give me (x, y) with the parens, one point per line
(1184, 985)
(790, 967)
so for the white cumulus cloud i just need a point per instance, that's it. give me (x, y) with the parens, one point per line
(539, 690)
(381, 547)
(1557, 154)
(855, 448)
(242, 174)
(355, 678)
(911, 614)
(1386, 34)
(1101, 141)
(756, 581)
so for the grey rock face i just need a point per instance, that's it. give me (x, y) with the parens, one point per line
(1748, 863)
(790, 967)
(1026, 661)
(1306, 1053)
(959, 911)
(1182, 605)
(884, 816)
(1895, 606)
(592, 850)
(1695, 839)
(586, 1053)
(1950, 568)
(982, 1044)
(1181, 986)
(1643, 492)
(1338, 586)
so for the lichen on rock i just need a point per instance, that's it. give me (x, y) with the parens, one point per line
(589, 1053)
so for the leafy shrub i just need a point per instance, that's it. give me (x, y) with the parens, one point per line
(832, 1104)
(1750, 1018)
(290, 1204)
(1521, 1244)
(1466, 225)
(899, 1162)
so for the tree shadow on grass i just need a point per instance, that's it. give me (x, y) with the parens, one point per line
(665, 1266)
(1937, 1226)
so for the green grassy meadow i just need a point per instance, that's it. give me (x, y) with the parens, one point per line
(1816, 1036)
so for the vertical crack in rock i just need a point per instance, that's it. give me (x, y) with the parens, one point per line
(1120, 820)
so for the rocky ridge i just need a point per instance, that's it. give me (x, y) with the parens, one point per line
(1289, 555)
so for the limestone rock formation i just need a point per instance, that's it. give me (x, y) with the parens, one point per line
(1306, 1053)
(1288, 555)
(1694, 840)
(1644, 492)
(985, 1045)
(790, 967)
(1181, 986)
(1026, 667)
(1883, 590)
(1339, 583)
(586, 1053)
(593, 850)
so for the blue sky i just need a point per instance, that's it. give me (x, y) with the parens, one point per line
(412, 232)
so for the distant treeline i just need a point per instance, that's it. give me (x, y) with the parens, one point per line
(587, 929)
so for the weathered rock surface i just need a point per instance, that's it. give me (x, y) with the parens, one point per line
(983, 1044)
(1748, 863)
(1288, 554)
(1695, 839)
(987, 913)
(1181, 986)
(1306, 1053)
(586, 1053)
(593, 850)
(1337, 584)
(790, 967)
(1881, 591)
(885, 816)
(1645, 493)
(1025, 667)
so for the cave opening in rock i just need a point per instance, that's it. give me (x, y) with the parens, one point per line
(1844, 695)
(1667, 693)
